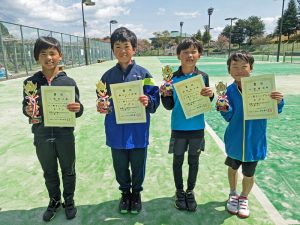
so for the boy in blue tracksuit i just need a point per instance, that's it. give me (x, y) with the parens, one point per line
(128, 142)
(187, 134)
(245, 140)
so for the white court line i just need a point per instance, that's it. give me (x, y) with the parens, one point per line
(257, 192)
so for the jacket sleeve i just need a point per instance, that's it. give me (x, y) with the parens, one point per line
(78, 114)
(280, 106)
(152, 91)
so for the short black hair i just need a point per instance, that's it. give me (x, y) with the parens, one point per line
(123, 34)
(188, 42)
(240, 55)
(43, 43)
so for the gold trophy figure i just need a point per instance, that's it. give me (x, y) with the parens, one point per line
(166, 88)
(30, 89)
(222, 103)
(103, 103)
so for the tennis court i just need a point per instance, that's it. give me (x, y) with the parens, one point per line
(23, 195)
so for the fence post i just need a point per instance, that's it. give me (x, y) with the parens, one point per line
(23, 47)
(4, 54)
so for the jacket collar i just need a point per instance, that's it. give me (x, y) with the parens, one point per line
(180, 73)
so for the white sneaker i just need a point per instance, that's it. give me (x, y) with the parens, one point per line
(244, 211)
(232, 204)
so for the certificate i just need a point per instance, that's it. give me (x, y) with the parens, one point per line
(128, 108)
(257, 102)
(192, 102)
(55, 101)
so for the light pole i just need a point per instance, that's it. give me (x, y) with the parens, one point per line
(280, 32)
(231, 19)
(110, 23)
(209, 11)
(181, 24)
(87, 3)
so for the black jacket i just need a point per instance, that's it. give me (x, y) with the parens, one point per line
(61, 79)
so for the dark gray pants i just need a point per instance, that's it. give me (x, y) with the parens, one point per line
(136, 158)
(49, 152)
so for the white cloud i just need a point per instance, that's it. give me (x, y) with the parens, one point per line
(113, 2)
(161, 11)
(111, 11)
(271, 23)
(187, 15)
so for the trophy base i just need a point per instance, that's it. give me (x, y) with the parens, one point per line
(35, 120)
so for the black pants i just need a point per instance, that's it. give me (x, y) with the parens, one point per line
(136, 158)
(193, 161)
(49, 152)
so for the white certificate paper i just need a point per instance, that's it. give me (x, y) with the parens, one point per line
(128, 108)
(192, 102)
(257, 102)
(55, 101)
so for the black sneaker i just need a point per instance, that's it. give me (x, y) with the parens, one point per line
(180, 200)
(190, 201)
(124, 205)
(50, 212)
(136, 202)
(70, 209)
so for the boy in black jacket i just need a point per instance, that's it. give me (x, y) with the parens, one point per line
(53, 143)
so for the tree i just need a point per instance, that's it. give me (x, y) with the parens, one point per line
(221, 43)
(198, 35)
(143, 45)
(4, 30)
(290, 20)
(255, 27)
(206, 36)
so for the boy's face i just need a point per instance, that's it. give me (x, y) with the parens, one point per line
(239, 69)
(189, 57)
(123, 51)
(49, 58)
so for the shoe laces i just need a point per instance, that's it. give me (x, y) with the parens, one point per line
(125, 196)
(243, 203)
(233, 200)
(136, 197)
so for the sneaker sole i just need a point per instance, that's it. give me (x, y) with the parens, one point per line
(124, 211)
(135, 212)
(232, 212)
(242, 216)
(56, 210)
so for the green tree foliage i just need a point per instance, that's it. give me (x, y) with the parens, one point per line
(245, 30)
(206, 36)
(198, 35)
(4, 30)
(290, 20)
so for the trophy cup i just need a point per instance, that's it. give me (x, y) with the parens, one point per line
(30, 90)
(222, 101)
(167, 74)
(103, 104)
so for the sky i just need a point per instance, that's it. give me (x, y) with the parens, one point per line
(144, 17)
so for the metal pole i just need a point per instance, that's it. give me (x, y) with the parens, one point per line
(280, 31)
(181, 24)
(111, 54)
(84, 36)
(229, 49)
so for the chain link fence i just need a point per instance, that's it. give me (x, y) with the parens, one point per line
(17, 43)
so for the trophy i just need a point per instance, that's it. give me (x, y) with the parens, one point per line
(222, 101)
(103, 104)
(167, 73)
(30, 90)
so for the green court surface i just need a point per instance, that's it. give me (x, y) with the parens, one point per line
(23, 195)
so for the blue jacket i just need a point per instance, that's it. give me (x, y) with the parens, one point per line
(178, 120)
(245, 140)
(134, 135)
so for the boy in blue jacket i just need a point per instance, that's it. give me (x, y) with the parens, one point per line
(128, 142)
(245, 140)
(187, 134)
